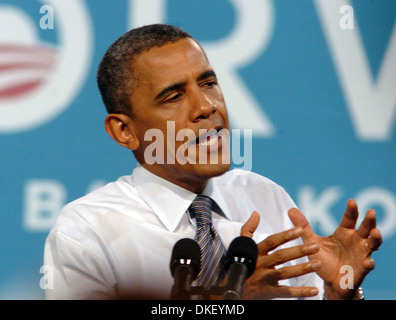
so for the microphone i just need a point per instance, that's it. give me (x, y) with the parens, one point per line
(185, 265)
(240, 264)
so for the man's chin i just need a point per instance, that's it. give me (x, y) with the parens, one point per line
(211, 170)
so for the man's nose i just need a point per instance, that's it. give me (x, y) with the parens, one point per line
(202, 106)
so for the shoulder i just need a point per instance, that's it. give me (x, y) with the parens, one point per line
(78, 214)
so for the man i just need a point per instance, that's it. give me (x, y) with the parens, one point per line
(116, 242)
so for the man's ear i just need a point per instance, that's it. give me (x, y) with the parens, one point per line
(120, 127)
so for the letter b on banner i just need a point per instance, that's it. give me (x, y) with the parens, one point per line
(43, 201)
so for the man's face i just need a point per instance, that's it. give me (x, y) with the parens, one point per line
(175, 87)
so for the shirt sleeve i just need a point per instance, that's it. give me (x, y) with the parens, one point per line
(76, 272)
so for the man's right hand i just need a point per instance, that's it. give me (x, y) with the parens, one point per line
(263, 283)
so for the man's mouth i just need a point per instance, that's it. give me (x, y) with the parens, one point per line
(209, 146)
(209, 138)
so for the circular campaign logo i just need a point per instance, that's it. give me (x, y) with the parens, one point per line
(38, 80)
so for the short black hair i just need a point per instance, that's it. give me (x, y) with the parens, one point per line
(115, 72)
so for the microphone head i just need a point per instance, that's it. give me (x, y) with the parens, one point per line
(186, 252)
(242, 250)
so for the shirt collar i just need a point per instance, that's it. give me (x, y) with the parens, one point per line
(215, 190)
(169, 201)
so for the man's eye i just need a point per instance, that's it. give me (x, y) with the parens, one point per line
(172, 98)
(210, 84)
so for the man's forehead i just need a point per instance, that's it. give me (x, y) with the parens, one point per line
(171, 54)
(173, 60)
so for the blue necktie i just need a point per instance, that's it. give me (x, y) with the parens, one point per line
(212, 249)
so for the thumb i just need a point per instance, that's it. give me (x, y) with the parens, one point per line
(251, 225)
(299, 220)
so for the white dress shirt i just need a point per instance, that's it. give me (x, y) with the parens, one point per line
(117, 241)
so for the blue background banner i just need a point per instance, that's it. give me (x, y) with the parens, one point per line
(315, 80)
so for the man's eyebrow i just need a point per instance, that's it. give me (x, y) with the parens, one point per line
(206, 74)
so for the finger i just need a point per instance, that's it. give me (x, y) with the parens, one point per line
(350, 216)
(251, 225)
(273, 241)
(368, 265)
(284, 255)
(294, 271)
(295, 292)
(299, 220)
(368, 224)
(375, 240)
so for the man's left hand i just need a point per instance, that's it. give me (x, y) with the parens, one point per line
(347, 246)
